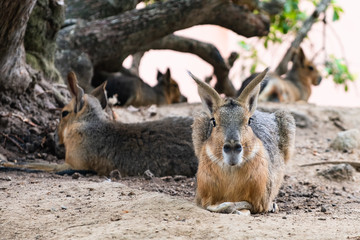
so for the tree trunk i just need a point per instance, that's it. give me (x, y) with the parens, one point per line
(14, 72)
(40, 37)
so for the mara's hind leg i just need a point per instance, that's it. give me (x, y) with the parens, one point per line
(241, 208)
(42, 166)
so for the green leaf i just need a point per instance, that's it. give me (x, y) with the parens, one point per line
(244, 45)
(335, 16)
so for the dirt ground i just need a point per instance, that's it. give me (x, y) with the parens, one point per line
(49, 206)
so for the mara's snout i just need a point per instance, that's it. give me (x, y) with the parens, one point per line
(318, 80)
(232, 153)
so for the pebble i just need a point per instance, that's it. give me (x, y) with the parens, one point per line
(148, 175)
(115, 175)
(76, 175)
(323, 209)
(346, 141)
(179, 178)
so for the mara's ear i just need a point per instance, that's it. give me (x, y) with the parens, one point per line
(159, 75)
(249, 96)
(100, 94)
(299, 58)
(210, 99)
(168, 75)
(302, 57)
(76, 91)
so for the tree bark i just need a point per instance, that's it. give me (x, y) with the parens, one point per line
(14, 72)
(109, 41)
(238, 19)
(40, 37)
(95, 9)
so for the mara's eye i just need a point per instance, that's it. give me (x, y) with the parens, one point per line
(212, 120)
(250, 120)
(311, 68)
(64, 113)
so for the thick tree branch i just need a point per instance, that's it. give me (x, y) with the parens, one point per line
(302, 33)
(239, 19)
(128, 31)
(107, 42)
(95, 9)
(207, 52)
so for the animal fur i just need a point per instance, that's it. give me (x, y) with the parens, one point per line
(132, 90)
(95, 142)
(253, 169)
(296, 86)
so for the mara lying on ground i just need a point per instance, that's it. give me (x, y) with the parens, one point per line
(242, 152)
(94, 142)
(295, 86)
(132, 90)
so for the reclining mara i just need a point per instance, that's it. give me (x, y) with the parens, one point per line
(242, 152)
(296, 86)
(132, 90)
(96, 143)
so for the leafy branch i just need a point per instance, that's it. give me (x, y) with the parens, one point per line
(337, 68)
(292, 21)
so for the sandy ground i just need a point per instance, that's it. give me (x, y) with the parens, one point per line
(48, 206)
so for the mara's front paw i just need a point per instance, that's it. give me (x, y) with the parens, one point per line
(241, 208)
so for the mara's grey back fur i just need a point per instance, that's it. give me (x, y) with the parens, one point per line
(164, 146)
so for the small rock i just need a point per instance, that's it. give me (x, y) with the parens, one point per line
(323, 209)
(167, 178)
(115, 175)
(339, 172)
(346, 141)
(152, 110)
(179, 178)
(76, 175)
(148, 175)
(115, 218)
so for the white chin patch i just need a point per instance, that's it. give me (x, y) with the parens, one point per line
(226, 160)
(232, 160)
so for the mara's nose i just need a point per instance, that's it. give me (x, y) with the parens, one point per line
(232, 147)
(183, 98)
(319, 80)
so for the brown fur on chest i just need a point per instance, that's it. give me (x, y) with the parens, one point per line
(217, 184)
